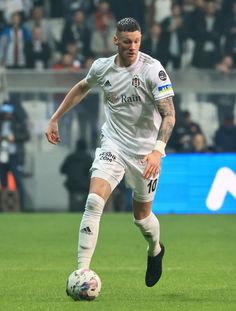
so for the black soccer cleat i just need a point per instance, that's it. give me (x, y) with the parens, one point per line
(154, 268)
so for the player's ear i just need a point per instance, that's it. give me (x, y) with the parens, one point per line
(115, 40)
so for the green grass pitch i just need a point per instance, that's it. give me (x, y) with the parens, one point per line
(38, 252)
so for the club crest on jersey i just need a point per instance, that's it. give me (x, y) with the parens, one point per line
(136, 81)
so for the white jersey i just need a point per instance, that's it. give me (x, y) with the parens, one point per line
(132, 118)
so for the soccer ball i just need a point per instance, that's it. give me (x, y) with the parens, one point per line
(83, 284)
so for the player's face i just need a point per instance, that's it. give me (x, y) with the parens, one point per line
(128, 44)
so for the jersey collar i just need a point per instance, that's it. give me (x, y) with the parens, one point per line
(118, 68)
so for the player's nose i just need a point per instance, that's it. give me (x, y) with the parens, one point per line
(132, 46)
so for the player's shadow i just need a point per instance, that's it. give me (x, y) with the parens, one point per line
(219, 295)
(182, 297)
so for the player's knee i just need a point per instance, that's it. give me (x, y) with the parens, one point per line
(94, 204)
(141, 198)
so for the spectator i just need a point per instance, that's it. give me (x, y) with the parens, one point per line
(187, 5)
(67, 62)
(76, 168)
(226, 64)
(226, 9)
(4, 95)
(12, 43)
(193, 10)
(225, 136)
(102, 39)
(199, 5)
(88, 62)
(174, 35)
(198, 143)
(159, 10)
(13, 134)
(39, 20)
(224, 102)
(153, 44)
(72, 49)
(230, 44)
(77, 31)
(9, 7)
(102, 14)
(206, 32)
(38, 51)
(2, 22)
(70, 6)
(56, 8)
(183, 133)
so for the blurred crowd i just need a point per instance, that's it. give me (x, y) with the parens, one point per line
(70, 34)
(188, 136)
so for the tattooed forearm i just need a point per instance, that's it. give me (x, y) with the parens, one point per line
(167, 111)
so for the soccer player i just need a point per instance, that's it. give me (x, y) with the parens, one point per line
(140, 116)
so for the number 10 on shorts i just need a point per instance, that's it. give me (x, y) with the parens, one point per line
(152, 185)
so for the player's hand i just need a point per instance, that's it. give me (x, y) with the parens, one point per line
(153, 161)
(52, 132)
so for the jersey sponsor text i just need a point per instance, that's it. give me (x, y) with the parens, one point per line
(130, 99)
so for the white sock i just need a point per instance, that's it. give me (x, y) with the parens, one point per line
(89, 228)
(150, 229)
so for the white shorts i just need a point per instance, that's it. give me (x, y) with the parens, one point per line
(112, 165)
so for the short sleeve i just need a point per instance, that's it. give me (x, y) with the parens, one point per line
(91, 77)
(159, 82)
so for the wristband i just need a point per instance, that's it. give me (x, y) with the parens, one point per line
(160, 146)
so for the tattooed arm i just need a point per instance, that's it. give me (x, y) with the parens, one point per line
(153, 160)
(167, 111)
